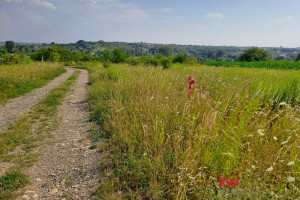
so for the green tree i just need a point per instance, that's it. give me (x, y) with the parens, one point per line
(180, 58)
(53, 56)
(118, 56)
(106, 56)
(253, 54)
(165, 50)
(10, 46)
(298, 57)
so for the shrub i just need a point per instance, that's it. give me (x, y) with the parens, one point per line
(166, 63)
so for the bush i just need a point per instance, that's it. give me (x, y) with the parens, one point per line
(148, 60)
(118, 56)
(166, 63)
(10, 59)
(180, 58)
(106, 64)
(133, 61)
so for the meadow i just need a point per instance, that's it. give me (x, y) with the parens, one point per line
(16, 80)
(240, 123)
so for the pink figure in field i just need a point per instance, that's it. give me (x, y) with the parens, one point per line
(191, 81)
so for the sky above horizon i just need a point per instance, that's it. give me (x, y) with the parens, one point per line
(263, 23)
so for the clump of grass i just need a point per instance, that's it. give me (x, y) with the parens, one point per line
(242, 123)
(10, 182)
(16, 80)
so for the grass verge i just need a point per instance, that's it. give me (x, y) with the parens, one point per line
(16, 80)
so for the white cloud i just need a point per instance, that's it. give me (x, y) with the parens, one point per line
(214, 16)
(283, 20)
(41, 3)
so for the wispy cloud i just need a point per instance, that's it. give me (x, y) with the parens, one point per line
(163, 10)
(284, 20)
(94, 2)
(214, 16)
(41, 3)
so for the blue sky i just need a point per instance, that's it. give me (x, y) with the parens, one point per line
(201, 22)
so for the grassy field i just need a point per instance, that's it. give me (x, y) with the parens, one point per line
(16, 80)
(266, 64)
(240, 123)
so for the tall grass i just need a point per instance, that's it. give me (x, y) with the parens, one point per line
(19, 79)
(241, 123)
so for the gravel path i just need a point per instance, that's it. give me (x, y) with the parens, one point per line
(14, 108)
(67, 168)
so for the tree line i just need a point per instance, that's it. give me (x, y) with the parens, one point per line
(12, 53)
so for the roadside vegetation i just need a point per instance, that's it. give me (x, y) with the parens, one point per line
(17, 143)
(241, 123)
(19, 79)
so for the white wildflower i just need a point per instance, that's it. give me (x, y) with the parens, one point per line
(284, 142)
(166, 97)
(290, 179)
(203, 96)
(288, 138)
(269, 169)
(151, 98)
(291, 163)
(275, 138)
(253, 166)
(283, 103)
(229, 154)
(260, 132)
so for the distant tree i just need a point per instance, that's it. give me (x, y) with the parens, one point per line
(3, 52)
(118, 56)
(165, 50)
(88, 57)
(53, 56)
(279, 57)
(298, 57)
(10, 46)
(106, 56)
(180, 58)
(81, 43)
(253, 54)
